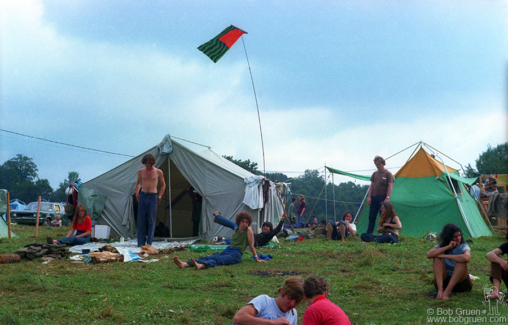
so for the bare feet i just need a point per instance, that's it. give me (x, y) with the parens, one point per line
(179, 263)
(495, 295)
(444, 296)
(198, 266)
(439, 295)
(55, 242)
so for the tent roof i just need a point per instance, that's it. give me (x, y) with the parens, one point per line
(422, 165)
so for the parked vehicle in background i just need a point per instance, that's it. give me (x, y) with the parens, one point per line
(48, 212)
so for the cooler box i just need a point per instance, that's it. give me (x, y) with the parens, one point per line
(101, 232)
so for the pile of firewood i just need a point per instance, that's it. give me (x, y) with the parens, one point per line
(38, 250)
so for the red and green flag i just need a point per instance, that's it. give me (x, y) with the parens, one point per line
(220, 44)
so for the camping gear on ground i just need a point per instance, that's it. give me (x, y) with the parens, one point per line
(105, 257)
(38, 250)
(101, 232)
(219, 181)
(10, 258)
(150, 250)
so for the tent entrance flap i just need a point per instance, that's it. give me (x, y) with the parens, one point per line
(174, 213)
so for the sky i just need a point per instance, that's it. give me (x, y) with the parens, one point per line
(337, 82)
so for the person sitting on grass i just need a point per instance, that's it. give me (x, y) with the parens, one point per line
(280, 310)
(389, 225)
(242, 237)
(449, 261)
(498, 270)
(321, 311)
(82, 224)
(342, 229)
(259, 239)
(57, 222)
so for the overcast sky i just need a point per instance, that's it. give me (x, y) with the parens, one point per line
(337, 82)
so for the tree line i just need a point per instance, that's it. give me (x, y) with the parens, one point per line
(19, 176)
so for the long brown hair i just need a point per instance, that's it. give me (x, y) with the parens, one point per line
(76, 215)
(387, 214)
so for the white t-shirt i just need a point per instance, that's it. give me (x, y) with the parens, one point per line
(352, 226)
(267, 308)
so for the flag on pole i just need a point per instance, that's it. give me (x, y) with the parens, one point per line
(220, 44)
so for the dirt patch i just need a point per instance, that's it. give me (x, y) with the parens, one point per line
(272, 273)
(345, 271)
(429, 294)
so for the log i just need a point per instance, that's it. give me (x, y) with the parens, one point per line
(10, 258)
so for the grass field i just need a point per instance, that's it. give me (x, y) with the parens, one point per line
(373, 284)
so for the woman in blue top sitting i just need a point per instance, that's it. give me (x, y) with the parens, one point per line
(449, 261)
(242, 237)
(389, 225)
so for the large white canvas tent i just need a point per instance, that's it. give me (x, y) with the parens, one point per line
(220, 182)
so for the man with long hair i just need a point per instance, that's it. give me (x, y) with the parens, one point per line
(281, 309)
(148, 199)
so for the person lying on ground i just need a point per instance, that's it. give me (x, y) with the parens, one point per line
(259, 239)
(266, 310)
(498, 270)
(82, 224)
(389, 225)
(449, 261)
(242, 237)
(342, 229)
(321, 311)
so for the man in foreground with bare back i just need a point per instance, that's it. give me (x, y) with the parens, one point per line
(148, 199)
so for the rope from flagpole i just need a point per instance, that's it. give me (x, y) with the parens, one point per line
(257, 106)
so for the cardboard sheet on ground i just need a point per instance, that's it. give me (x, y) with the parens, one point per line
(131, 245)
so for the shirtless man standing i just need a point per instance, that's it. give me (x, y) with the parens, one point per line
(148, 200)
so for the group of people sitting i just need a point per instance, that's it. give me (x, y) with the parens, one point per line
(281, 310)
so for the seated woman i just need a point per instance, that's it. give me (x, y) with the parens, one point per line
(389, 225)
(341, 229)
(82, 223)
(242, 237)
(449, 261)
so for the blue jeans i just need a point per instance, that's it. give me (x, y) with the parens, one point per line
(73, 240)
(336, 234)
(375, 206)
(386, 238)
(147, 213)
(231, 255)
(225, 222)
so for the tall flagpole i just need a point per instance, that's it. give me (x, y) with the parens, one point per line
(257, 106)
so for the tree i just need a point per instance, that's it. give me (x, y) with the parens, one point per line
(17, 170)
(59, 195)
(493, 161)
(245, 164)
(19, 176)
(470, 172)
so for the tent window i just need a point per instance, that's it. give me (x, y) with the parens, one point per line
(455, 185)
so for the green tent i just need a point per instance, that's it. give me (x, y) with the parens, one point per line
(424, 200)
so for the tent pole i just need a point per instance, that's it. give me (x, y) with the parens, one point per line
(326, 197)
(334, 198)
(361, 205)
(456, 197)
(170, 207)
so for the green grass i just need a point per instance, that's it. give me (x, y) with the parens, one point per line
(373, 284)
